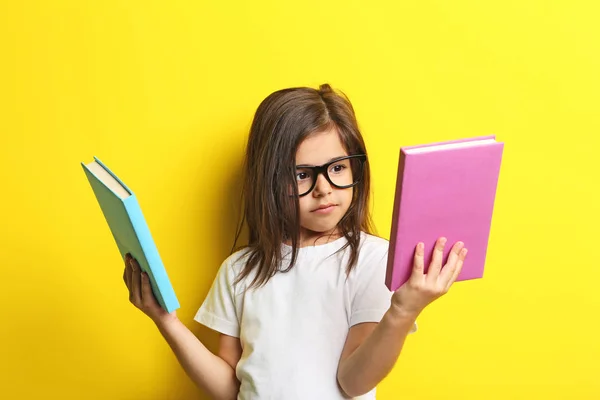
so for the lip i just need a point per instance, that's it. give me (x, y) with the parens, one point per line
(325, 208)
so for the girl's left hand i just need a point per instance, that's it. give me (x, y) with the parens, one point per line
(422, 289)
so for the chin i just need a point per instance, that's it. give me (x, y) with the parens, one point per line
(320, 225)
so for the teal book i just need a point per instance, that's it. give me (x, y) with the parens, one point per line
(129, 229)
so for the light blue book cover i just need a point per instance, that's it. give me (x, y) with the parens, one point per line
(130, 231)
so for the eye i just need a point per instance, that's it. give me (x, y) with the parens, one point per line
(302, 175)
(337, 168)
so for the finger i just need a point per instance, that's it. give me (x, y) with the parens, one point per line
(125, 269)
(450, 266)
(136, 283)
(436, 260)
(127, 274)
(418, 262)
(147, 295)
(459, 265)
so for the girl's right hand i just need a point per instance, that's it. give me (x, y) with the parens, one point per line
(423, 288)
(140, 291)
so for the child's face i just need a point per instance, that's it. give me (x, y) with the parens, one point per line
(319, 149)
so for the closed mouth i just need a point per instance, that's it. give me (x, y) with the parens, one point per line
(325, 206)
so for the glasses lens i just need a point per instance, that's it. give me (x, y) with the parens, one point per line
(304, 179)
(342, 173)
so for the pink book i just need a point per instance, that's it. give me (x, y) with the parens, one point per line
(444, 189)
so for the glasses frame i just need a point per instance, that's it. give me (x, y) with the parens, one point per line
(322, 169)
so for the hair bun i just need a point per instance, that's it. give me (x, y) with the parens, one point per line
(325, 88)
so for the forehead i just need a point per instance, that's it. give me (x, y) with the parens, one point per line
(319, 148)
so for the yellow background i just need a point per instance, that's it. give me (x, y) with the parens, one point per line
(164, 92)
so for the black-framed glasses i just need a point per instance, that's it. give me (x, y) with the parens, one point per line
(342, 173)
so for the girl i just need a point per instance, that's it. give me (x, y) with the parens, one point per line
(303, 310)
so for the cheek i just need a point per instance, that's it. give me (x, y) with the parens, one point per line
(347, 196)
(346, 199)
(304, 204)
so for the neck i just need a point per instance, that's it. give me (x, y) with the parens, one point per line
(313, 238)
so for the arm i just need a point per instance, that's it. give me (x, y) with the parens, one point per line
(213, 374)
(210, 372)
(371, 350)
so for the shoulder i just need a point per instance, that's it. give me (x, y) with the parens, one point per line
(372, 255)
(372, 246)
(373, 241)
(233, 264)
(238, 258)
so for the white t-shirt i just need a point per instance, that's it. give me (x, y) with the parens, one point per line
(293, 329)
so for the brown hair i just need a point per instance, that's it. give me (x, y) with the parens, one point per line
(282, 121)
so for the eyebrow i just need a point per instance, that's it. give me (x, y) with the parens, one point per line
(313, 165)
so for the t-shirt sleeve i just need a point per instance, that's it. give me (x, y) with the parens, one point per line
(218, 311)
(371, 298)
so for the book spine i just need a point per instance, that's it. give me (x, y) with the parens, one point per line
(471, 139)
(162, 289)
(389, 277)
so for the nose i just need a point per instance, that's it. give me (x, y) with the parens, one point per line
(322, 186)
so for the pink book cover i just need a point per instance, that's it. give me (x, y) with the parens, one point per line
(444, 189)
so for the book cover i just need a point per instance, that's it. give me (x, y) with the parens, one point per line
(444, 189)
(129, 229)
